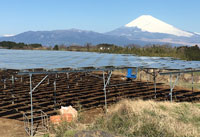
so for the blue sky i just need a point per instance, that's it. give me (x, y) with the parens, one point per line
(17, 16)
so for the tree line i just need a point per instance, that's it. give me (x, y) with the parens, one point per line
(14, 45)
(155, 50)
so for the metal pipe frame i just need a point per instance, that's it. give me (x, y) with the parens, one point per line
(13, 80)
(154, 74)
(31, 95)
(54, 94)
(192, 81)
(67, 71)
(39, 83)
(44, 119)
(178, 72)
(4, 83)
(26, 124)
(21, 79)
(105, 85)
(154, 79)
(95, 76)
(172, 85)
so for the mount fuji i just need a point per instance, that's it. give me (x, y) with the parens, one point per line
(141, 31)
(149, 29)
(151, 24)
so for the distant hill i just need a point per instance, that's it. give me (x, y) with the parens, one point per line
(141, 31)
(68, 37)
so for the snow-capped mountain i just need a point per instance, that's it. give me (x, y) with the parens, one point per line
(151, 24)
(197, 33)
(148, 28)
(142, 31)
(8, 35)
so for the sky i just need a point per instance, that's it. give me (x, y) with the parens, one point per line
(17, 16)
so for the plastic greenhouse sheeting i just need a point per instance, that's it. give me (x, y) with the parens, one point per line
(32, 59)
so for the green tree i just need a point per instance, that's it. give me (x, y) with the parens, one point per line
(56, 47)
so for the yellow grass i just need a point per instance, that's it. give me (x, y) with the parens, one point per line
(138, 118)
(149, 118)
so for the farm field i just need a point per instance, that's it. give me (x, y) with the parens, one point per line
(81, 90)
(78, 89)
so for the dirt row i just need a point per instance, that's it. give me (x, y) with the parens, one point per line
(81, 90)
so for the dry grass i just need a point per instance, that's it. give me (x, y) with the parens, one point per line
(152, 119)
(66, 129)
(137, 118)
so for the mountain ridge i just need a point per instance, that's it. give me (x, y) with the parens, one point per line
(68, 37)
(142, 31)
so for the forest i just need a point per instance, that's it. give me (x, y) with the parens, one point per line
(181, 52)
(14, 45)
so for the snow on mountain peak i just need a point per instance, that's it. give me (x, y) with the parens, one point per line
(151, 24)
(8, 35)
(197, 33)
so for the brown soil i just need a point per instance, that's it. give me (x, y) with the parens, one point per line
(15, 128)
(12, 128)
